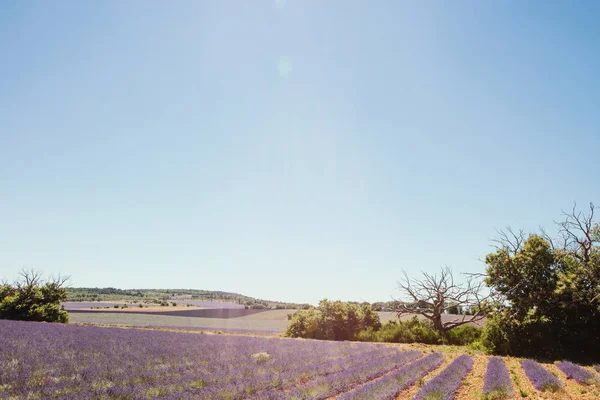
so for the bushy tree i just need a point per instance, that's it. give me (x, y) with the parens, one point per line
(550, 288)
(333, 320)
(32, 299)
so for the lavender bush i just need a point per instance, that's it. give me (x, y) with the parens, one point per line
(497, 384)
(540, 377)
(444, 386)
(597, 367)
(389, 385)
(579, 374)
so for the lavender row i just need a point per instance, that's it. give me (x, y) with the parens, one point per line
(577, 373)
(497, 380)
(444, 386)
(540, 377)
(391, 384)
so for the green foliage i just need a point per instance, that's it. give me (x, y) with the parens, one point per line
(463, 335)
(552, 295)
(304, 324)
(454, 309)
(333, 320)
(32, 300)
(415, 330)
(525, 278)
(494, 337)
(385, 305)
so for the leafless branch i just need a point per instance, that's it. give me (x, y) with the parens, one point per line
(509, 240)
(577, 232)
(28, 278)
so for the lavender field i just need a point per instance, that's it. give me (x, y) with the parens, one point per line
(54, 361)
(59, 361)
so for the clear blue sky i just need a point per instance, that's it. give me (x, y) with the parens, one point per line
(288, 150)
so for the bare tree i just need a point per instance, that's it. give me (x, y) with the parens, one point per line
(433, 295)
(578, 233)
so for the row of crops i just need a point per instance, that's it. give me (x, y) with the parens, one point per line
(57, 361)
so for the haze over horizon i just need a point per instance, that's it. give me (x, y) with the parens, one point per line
(288, 150)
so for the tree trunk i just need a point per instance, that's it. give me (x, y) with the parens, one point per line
(437, 322)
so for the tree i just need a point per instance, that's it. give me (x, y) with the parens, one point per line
(333, 320)
(32, 299)
(549, 289)
(435, 294)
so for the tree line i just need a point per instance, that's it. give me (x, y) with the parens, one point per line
(539, 297)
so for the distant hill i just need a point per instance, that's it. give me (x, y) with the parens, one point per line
(109, 293)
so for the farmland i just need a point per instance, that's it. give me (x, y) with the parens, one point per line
(181, 322)
(57, 361)
(234, 320)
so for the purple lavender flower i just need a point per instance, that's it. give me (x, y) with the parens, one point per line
(324, 387)
(540, 377)
(445, 385)
(497, 383)
(579, 374)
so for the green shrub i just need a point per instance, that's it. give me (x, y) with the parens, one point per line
(368, 335)
(333, 321)
(464, 335)
(33, 300)
(415, 330)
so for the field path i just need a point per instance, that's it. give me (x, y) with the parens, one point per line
(410, 392)
(472, 385)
